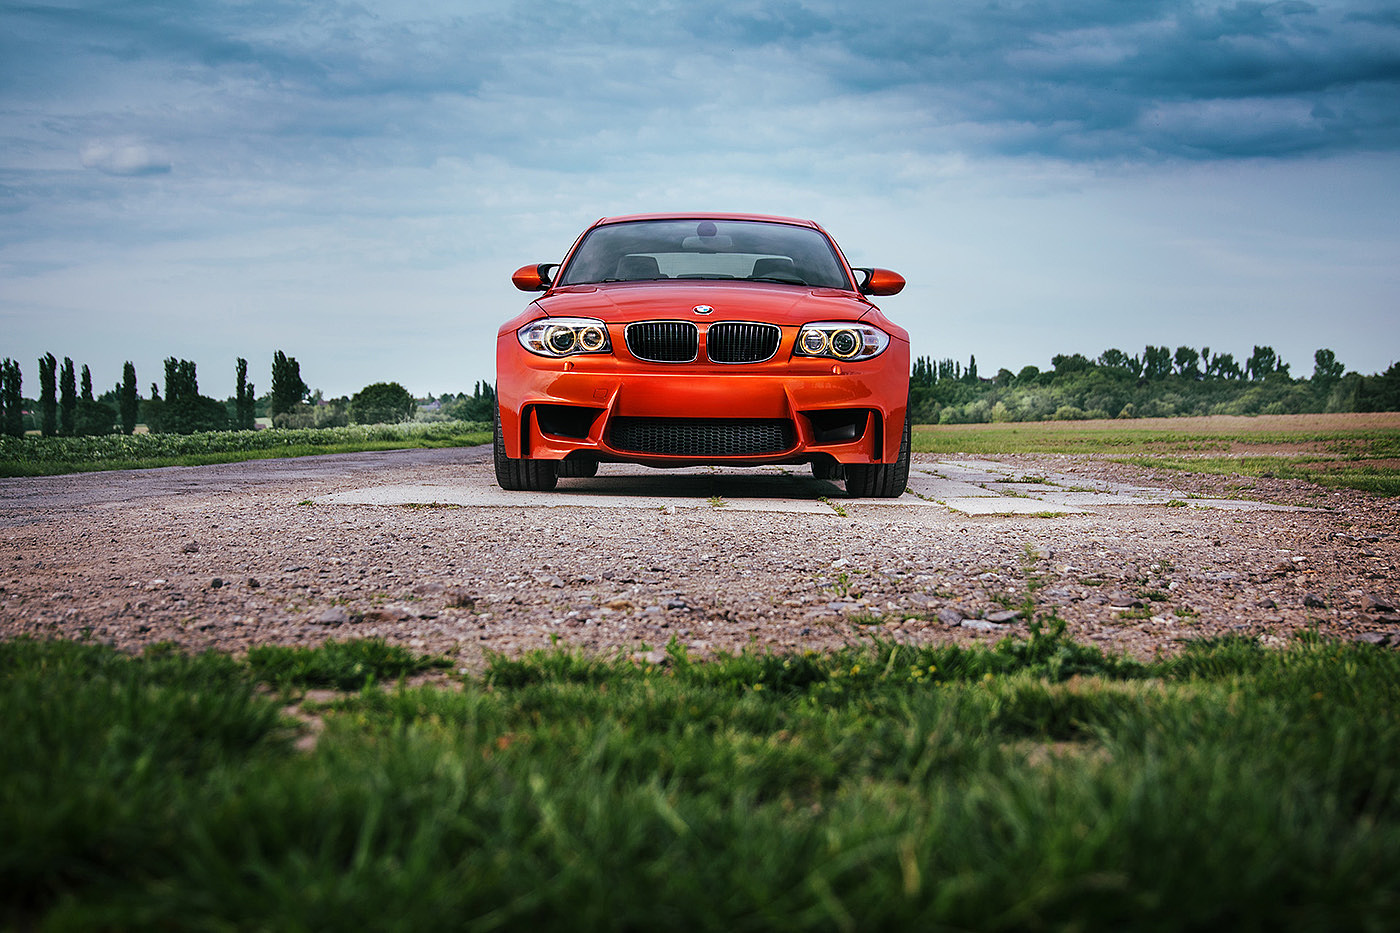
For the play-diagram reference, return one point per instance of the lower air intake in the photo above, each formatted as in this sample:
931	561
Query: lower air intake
686	437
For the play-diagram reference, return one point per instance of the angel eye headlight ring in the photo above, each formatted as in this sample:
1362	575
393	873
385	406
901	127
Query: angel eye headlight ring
841	340
846	344
561	337
591	339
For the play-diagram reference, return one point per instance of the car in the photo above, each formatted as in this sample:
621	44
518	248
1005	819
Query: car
672	340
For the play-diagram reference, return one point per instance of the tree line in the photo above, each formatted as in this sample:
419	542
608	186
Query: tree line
1158	382
67	407
60	411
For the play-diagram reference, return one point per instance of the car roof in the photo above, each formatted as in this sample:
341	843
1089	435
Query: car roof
706	215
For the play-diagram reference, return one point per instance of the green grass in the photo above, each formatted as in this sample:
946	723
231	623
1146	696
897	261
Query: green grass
1059	437
1383	481
1356	459
1053	438
1037	784
345	665
47	456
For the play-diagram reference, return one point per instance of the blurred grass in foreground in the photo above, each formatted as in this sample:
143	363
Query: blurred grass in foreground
1035	785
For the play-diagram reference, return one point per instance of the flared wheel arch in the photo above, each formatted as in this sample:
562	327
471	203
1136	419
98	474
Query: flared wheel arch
521	474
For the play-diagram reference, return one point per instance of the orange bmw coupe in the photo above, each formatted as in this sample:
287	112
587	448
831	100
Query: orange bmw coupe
681	339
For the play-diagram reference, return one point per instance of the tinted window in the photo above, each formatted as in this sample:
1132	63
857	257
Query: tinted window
705	249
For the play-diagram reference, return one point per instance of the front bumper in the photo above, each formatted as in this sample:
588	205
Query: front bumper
785	410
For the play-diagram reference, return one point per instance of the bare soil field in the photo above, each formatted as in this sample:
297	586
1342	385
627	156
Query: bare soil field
229	556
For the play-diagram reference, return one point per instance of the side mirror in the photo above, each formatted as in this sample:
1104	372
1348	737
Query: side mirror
534	278
880	282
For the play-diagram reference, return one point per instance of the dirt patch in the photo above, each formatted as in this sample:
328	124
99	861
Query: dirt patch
230	556
1390	464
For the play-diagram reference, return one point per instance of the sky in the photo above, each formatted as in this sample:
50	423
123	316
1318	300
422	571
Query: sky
353	183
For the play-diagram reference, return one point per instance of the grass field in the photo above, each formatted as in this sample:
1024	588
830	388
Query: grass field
1350	450
47	456
1357	451
1035	785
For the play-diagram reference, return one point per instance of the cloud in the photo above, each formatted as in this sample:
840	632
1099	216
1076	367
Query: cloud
1099	80
1086	74
125	157
343	167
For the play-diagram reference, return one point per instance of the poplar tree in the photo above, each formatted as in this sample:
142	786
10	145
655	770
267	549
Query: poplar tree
288	390
181	380
126	398
68	399
11	399
184	410
48	397
245	411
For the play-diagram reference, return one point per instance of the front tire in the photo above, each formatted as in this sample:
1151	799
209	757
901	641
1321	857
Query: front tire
586	466
524	474
881	480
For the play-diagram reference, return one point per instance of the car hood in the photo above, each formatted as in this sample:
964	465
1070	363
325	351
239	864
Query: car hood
750	301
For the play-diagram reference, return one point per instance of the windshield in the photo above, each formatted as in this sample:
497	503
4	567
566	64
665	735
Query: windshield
757	251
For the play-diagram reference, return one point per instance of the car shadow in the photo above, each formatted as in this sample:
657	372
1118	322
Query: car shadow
728	485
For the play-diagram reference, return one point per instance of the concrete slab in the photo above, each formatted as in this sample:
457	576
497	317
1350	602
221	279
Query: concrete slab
936	487
468	495
954	485
905	501
1006	505
1092	500
1020	489
1081	483
967	471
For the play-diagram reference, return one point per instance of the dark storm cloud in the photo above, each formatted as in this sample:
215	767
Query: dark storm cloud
1111	80
1098	80
44	41
1106	80
1149	79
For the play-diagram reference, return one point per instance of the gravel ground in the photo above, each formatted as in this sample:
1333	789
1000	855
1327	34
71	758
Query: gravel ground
231	556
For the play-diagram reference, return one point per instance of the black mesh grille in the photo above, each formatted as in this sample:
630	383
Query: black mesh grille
663	341
697	438
734	342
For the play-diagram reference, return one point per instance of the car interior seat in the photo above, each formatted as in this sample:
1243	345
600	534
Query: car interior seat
778	267
638	268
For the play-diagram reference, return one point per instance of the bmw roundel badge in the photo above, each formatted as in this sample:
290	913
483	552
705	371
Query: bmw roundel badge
703	309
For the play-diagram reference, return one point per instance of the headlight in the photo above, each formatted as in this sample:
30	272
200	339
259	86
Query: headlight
842	341
565	336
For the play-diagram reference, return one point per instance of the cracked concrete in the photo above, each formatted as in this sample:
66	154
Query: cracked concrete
972	487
